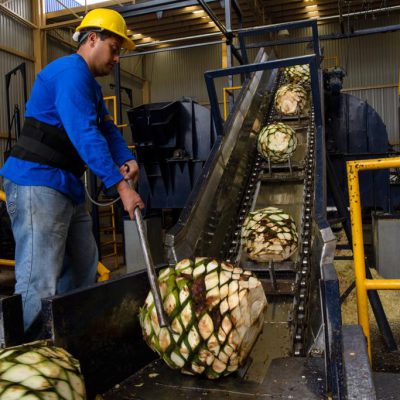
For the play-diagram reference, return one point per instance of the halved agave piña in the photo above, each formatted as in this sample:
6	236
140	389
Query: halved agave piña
277	141
298	74
291	99
215	311
269	234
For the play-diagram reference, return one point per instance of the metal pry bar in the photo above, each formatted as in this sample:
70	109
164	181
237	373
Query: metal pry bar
151	273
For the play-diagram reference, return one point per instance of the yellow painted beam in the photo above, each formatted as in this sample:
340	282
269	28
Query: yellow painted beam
382	284
358	250
39	36
363	284
226	90
103	271
7	263
146	92
16	53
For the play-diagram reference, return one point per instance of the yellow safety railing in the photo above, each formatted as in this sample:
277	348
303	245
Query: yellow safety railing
102	270
226	90
113	99
363	284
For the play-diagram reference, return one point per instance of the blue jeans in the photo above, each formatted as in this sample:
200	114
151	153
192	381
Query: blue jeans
55	248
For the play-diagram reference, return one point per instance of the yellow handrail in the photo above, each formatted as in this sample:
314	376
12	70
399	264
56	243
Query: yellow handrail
363	284
226	89
7	263
102	270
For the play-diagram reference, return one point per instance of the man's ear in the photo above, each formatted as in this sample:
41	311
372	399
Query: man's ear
92	38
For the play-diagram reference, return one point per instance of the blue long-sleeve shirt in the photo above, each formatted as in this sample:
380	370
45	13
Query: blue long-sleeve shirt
65	94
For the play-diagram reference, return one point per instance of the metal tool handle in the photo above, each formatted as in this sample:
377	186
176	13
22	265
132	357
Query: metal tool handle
151	273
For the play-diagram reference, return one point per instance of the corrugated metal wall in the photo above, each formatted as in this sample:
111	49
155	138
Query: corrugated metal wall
14	36
178	73
371	64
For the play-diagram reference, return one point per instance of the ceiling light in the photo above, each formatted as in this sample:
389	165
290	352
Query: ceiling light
312	6
283	33
197	11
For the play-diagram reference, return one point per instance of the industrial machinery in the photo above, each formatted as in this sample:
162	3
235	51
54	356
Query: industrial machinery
303	351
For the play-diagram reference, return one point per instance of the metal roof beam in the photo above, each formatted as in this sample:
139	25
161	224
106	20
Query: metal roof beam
154	6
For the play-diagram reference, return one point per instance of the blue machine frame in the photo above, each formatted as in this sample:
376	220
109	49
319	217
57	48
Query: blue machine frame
329	286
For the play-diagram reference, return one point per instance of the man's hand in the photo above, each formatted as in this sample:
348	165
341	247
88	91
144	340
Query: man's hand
130	198
130	171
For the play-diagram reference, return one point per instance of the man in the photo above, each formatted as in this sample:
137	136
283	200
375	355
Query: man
66	127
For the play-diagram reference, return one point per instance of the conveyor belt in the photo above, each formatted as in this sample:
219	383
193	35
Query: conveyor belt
253	183
303	379
288	186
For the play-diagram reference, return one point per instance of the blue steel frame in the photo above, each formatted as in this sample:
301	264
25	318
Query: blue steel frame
209	77
273	28
332	36
329	287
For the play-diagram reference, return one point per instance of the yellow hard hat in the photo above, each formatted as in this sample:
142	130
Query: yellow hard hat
110	20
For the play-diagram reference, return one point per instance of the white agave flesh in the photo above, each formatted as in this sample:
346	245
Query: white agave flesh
184	264
184	350
187	315
184	294
213	345
37	383
53	396
193	338
218	366
30	357
211	266
211	280
170	303
76	383
64	390
224	291
206	326
177	360
224	307
199	270
198	368
19	373
13	393
224	277
164	339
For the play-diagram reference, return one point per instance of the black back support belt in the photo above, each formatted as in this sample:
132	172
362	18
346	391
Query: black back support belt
49	145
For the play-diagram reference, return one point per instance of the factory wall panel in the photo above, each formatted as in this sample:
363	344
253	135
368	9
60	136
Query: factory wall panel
15	36
18	38
21	7
178	73
371	64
